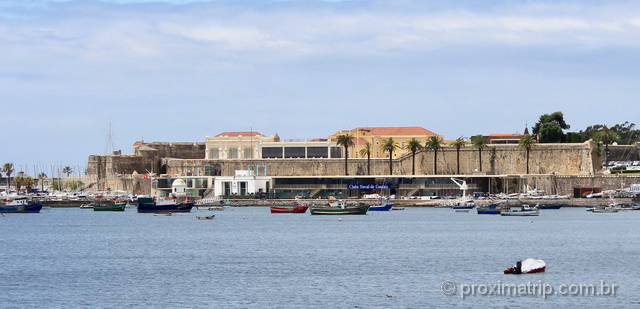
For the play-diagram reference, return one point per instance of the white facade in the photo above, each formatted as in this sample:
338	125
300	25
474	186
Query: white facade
245	182
239	145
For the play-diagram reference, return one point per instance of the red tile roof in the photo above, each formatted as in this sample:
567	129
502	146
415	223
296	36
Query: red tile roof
236	134
395	131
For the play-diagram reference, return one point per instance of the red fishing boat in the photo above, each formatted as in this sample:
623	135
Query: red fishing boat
297	208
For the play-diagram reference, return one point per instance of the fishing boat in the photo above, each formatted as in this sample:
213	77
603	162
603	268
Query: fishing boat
523	210
296	208
109	206
491	209
19	204
383	206
160	205
464	205
604	209
527	266
360	209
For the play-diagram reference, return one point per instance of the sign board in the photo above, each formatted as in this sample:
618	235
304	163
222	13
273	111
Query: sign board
368	186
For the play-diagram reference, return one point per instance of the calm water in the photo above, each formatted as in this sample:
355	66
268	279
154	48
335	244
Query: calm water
249	258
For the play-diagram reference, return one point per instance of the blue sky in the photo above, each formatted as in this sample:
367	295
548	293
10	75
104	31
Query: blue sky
178	71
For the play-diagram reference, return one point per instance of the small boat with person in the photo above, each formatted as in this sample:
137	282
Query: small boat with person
527	266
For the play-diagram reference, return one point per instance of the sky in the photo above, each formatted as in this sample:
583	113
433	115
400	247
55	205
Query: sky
80	78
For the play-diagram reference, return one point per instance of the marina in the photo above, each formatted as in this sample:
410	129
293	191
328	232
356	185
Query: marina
237	260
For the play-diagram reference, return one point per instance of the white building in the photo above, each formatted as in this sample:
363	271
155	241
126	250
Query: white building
253	145
245	182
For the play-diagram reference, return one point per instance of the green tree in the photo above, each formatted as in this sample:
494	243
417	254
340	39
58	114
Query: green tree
7	168
389	145
345	141
527	142
458	144
479	142
414	146
606	136
625	133
41	178
67	170
57	185
434	143
73	184
366	151
550	128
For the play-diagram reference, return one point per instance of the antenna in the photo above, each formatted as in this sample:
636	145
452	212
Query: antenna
109	141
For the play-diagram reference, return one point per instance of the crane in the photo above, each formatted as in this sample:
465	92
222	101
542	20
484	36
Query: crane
463	186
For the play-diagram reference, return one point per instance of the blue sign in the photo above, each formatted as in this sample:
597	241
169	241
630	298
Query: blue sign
368	186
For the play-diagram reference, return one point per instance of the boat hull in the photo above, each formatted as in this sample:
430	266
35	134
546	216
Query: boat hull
290	209
550	206
350	210
152	208
520	213
385	207
110	207
31	208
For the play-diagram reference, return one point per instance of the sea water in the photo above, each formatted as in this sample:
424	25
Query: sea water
249	258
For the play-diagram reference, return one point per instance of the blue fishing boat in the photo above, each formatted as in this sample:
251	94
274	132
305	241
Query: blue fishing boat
20	205
384	206
162	205
491	209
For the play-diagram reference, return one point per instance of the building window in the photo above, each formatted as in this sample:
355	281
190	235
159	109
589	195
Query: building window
272	152
294	152
317	152
233	153
336	152
214	153
248	153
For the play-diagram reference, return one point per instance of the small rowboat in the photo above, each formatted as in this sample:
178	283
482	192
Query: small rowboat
206	217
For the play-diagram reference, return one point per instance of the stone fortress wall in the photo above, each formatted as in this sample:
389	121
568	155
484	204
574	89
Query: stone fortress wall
553	167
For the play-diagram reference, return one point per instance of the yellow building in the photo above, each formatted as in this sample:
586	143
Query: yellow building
376	135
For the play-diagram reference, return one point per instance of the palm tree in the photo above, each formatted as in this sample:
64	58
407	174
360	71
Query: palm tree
7	168
19	181
389	145
28	182
479	143
67	170
434	142
457	144
413	145
345	141
527	142
606	136
366	151
41	178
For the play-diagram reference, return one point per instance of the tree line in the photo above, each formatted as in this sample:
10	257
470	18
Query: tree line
550	128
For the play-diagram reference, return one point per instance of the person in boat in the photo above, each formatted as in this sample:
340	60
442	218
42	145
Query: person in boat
518	268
